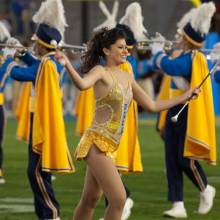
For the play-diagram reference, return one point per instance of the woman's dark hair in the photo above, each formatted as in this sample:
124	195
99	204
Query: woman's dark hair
101	39
130	39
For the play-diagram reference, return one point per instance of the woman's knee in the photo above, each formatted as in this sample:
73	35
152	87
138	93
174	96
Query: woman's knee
90	201
118	201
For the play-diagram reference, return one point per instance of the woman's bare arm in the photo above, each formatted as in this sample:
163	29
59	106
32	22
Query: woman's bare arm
86	82
148	104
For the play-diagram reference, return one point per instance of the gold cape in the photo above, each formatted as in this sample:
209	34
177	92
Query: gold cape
49	137
22	113
200	142
84	110
163	95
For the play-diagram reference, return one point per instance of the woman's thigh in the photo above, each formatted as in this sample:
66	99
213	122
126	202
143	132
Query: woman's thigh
106	174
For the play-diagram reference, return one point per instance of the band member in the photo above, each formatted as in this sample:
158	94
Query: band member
190	138
48	150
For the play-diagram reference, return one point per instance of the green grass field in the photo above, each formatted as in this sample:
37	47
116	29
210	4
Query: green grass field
148	188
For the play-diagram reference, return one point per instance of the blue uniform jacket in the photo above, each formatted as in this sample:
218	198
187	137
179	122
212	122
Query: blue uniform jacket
3	69
29	72
179	66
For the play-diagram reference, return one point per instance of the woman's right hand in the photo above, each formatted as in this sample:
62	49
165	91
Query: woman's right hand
192	93
62	58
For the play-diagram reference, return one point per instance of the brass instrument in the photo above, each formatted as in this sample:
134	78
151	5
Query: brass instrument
73	48
14	46
145	45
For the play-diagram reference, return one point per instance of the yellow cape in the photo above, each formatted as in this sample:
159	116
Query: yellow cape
84	110
163	94
200	142
49	137
22	113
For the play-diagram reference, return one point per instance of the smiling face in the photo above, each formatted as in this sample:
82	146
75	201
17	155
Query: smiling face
117	53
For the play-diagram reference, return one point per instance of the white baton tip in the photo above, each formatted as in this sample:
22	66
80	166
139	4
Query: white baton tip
174	119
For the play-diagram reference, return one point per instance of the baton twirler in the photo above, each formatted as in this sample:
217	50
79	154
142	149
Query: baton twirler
214	68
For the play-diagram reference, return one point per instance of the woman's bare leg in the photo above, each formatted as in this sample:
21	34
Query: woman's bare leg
108	178
101	174
90	196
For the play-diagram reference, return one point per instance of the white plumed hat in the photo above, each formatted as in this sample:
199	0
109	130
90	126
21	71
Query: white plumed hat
196	29
134	20
51	23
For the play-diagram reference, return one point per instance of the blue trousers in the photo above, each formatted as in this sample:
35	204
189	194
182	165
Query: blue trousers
176	163
46	205
2	125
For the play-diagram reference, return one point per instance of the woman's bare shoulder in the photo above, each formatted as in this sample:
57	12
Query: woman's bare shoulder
98	68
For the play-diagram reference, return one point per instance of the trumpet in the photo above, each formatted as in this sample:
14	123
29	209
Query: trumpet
73	48
2	45
145	45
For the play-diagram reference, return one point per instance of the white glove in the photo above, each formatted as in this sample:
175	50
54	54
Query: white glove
158	45
13	41
8	52
215	53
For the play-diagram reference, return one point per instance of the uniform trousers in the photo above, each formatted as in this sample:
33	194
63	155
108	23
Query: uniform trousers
2	125
46	205
176	163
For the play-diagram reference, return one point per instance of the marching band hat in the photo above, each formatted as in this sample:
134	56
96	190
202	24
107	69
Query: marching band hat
47	36
51	23
196	29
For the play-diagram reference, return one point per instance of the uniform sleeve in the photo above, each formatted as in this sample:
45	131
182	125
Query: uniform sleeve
21	73
180	66
29	59
24	73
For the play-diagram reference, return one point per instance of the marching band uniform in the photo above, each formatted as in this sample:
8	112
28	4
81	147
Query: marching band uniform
48	150
185	143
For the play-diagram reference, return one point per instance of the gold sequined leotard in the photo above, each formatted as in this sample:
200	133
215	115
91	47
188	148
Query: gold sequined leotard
106	131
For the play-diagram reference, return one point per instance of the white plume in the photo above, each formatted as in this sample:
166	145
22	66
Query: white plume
110	21
134	19
201	20
186	18
52	13
4	33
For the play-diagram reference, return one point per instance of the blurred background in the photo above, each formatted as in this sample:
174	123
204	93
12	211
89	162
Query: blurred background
82	16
